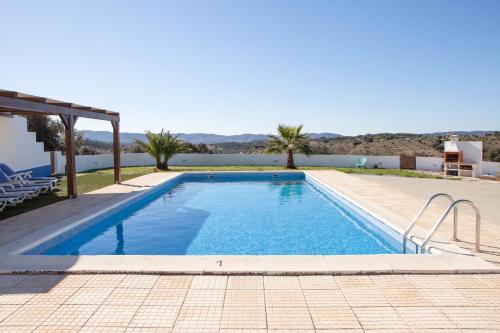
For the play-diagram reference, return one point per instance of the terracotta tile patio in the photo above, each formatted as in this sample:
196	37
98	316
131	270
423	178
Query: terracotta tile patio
78	303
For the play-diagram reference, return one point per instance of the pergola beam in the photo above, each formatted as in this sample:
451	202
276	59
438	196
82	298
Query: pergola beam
21	105
12	102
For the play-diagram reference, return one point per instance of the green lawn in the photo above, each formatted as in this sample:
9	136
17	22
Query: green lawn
86	182
95	179
378	172
389	172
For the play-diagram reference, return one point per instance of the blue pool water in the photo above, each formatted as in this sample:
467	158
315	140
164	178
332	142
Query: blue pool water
233	215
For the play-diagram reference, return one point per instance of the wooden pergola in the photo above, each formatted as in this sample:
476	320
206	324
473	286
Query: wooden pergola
13	102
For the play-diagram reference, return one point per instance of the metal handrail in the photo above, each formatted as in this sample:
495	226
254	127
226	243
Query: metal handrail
445	214
421	212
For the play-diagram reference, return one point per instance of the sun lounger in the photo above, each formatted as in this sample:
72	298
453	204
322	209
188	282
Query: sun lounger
10	198
29	192
26	176
45	185
33	189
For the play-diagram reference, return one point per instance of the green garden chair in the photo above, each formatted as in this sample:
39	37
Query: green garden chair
361	163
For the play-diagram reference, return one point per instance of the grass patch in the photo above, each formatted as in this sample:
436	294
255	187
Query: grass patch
389	172
86	182
95	179
378	172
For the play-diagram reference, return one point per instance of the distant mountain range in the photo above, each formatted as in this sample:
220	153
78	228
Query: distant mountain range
478	133
195	138
385	144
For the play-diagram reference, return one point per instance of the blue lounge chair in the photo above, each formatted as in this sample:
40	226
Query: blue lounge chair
44	185
361	163
12	190
31	189
10	199
26	175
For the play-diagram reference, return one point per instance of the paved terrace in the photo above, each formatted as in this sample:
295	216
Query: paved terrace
486	194
249	304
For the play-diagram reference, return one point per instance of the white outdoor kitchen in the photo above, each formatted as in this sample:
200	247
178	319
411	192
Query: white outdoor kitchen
463	158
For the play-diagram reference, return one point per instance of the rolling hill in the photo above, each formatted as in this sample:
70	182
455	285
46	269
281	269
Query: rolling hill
194	138
430	144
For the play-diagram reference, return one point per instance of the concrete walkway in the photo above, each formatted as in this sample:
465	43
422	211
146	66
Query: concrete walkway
484	193
247	304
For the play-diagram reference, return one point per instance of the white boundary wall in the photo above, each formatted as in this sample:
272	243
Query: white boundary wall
491	168
91	162
429	163
388	162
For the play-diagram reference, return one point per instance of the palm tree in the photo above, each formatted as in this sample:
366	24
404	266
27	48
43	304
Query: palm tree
289	140
154	146
172	145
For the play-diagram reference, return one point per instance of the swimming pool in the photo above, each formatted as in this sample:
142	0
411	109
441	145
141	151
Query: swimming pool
231	214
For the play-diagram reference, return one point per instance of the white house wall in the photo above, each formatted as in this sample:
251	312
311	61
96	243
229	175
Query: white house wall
19	149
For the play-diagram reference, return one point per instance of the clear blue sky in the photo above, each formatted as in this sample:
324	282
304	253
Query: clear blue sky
229	67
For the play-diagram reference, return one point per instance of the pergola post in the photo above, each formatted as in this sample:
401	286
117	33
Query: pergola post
69	144
116	150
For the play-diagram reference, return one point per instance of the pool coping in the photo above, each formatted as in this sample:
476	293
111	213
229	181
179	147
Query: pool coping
445	257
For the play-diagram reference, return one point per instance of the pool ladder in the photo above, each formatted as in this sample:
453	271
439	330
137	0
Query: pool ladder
453	206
